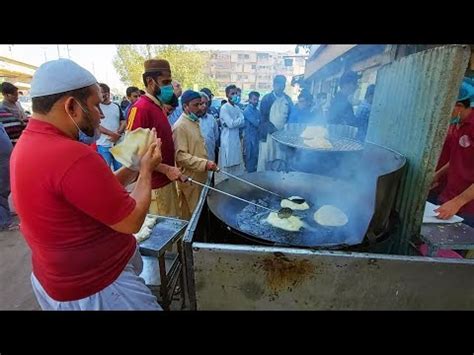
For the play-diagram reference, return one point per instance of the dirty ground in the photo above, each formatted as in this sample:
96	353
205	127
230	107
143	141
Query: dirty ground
15	269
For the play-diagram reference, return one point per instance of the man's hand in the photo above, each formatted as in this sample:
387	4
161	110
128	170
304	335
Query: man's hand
173	173
211	166
183	178
152	158
114	137
449	209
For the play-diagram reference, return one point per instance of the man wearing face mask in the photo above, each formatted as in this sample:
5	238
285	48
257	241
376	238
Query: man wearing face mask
232	118
148	112
252	121
440	179
191	152
457	196
75	213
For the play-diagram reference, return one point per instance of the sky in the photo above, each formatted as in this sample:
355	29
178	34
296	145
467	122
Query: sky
98	58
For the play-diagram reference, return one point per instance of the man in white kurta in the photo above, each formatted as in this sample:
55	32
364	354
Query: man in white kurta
232	118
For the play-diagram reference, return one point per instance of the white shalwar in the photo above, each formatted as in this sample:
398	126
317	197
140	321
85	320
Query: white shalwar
128	292
270	150
230	152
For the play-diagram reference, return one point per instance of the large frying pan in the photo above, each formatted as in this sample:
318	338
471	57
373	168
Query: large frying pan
356	201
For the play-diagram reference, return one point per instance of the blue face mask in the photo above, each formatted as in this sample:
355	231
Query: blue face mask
236	99
166	94
83	137
455	120
193	117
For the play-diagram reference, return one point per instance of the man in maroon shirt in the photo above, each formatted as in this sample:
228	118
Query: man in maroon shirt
457	196
148	112
75	214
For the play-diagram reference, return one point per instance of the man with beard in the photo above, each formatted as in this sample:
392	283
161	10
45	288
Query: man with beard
191	154
275	109
75	213
148	112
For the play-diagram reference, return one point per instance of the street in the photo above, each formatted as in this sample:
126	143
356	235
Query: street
15	269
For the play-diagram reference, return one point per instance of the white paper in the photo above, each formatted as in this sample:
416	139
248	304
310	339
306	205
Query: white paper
429	215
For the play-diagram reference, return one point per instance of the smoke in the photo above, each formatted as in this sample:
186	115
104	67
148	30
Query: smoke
354	176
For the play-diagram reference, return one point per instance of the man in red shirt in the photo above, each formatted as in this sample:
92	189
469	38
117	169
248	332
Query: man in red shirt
148	112
457	196
75	214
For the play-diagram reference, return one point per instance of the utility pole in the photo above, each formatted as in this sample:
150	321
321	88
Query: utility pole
68	51
59	53
44	53
148	49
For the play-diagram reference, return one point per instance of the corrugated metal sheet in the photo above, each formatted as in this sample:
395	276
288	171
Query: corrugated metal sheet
412	105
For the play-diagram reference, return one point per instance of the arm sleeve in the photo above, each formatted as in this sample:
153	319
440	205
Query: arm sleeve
227	119
252	117
138	118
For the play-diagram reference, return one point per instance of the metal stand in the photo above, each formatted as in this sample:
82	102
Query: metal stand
163	268
456	236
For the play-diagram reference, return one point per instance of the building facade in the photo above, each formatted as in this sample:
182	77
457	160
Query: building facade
254	70
326	64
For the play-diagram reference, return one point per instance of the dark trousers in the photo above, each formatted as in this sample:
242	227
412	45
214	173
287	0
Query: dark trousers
5	153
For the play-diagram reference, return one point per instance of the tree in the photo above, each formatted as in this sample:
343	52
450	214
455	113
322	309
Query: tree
188	65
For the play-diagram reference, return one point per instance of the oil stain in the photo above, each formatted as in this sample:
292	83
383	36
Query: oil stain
282	273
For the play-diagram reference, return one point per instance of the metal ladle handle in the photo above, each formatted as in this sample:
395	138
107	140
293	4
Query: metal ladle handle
248	182
230	195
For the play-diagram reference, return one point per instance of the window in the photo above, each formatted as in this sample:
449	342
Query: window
246	56
223	76
254	66
288	62
223	66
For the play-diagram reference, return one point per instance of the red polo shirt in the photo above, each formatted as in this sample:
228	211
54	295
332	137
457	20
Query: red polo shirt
147	114
66	196
461	163
446	151
444	157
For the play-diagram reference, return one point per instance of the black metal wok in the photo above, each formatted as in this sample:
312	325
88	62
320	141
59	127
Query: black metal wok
356	202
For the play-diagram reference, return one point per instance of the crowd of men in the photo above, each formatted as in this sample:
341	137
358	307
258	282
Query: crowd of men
78	214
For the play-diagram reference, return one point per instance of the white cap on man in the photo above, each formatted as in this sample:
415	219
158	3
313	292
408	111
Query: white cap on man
58	76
